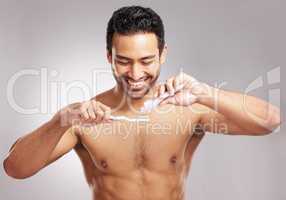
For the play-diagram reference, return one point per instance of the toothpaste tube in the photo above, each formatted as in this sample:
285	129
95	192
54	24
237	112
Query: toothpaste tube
150	104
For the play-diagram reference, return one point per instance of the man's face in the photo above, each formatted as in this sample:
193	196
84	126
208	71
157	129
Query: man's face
136	62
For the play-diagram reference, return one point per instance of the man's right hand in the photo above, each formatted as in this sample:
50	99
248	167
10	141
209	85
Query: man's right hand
84	112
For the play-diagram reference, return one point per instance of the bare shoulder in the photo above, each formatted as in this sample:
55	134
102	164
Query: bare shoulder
105	97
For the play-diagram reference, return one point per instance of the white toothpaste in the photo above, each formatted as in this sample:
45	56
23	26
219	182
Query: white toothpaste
150	104
153	103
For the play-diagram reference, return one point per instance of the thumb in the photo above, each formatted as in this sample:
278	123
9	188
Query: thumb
169	100
190	98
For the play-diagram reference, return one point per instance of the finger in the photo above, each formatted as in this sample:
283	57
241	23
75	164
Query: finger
83	112
162	89
99	115
157	91
169	100
96	108
106	113
192	99
164	102
191	81
170	86
90	111
178	84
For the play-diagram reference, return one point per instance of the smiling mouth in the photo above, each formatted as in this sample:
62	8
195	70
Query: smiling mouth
137	85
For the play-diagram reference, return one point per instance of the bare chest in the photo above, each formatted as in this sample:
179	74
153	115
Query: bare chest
119	147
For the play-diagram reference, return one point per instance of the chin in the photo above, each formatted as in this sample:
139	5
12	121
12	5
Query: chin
137	94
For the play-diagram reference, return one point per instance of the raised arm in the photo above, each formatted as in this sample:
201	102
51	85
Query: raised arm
35	150
239	113
223	111
41	147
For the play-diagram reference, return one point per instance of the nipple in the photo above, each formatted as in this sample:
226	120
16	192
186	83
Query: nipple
173	159
103	163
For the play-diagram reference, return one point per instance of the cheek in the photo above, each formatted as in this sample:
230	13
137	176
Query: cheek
120	70
153	69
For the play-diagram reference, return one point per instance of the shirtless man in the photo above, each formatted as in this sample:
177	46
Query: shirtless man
139	159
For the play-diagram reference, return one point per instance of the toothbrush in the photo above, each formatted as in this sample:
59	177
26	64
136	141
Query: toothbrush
124	118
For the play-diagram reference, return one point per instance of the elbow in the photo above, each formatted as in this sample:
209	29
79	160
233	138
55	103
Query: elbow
12	170
277	121
273	123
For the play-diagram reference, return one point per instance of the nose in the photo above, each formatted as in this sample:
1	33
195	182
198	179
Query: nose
136	72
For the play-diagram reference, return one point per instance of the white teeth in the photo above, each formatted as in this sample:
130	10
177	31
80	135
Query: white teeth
136	84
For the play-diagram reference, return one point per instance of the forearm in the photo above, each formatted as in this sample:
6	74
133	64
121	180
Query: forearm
248	112
32	151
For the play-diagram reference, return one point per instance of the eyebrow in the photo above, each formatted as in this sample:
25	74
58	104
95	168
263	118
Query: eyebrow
143	58
148	57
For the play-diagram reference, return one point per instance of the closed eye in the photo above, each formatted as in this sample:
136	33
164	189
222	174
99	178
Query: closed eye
122	62
147	62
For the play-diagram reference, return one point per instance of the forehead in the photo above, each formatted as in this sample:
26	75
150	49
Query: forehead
135	45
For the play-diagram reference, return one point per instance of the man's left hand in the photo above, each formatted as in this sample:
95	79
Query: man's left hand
183	89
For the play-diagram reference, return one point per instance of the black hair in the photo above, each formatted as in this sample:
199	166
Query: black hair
135	19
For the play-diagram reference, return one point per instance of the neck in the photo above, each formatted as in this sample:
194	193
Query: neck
126	103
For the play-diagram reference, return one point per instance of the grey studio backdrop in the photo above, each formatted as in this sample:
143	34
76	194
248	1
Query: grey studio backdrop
237	45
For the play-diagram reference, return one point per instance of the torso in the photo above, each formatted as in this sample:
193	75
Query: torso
140	160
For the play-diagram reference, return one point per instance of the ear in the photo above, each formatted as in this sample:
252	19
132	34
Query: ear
109	56
163	55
